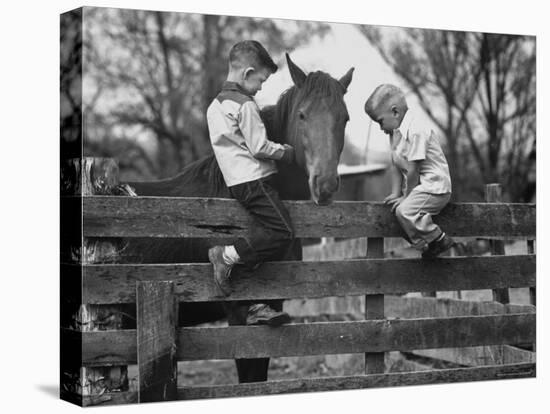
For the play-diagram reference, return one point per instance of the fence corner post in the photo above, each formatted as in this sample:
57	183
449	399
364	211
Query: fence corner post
157	320
493	194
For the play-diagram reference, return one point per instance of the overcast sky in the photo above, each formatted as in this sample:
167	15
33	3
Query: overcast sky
343	47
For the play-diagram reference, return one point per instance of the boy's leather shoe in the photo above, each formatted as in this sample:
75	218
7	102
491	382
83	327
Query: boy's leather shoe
222	271
262	314
437	247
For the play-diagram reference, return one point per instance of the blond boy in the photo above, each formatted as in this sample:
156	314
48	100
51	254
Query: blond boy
421	183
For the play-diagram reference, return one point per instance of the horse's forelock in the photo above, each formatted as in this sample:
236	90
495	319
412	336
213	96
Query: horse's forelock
317	84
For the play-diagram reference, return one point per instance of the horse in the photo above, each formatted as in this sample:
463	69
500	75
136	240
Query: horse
311	116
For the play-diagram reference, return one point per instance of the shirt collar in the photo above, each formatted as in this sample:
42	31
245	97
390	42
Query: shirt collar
406	123
234	86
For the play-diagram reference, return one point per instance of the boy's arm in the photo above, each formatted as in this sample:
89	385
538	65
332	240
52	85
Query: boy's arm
254	133
417	153
396	179
412	176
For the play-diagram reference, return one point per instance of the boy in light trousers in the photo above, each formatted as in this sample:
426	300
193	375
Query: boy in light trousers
421	183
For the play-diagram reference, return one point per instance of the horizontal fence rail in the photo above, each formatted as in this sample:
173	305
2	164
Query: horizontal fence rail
96	267
285	280
119	347
108	216
339	383
511	371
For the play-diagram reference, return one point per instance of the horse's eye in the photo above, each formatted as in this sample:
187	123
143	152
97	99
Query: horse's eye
301	116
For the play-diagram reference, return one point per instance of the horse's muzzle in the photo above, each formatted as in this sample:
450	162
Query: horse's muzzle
322	189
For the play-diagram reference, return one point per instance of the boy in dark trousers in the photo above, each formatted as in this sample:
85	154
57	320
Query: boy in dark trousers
246	158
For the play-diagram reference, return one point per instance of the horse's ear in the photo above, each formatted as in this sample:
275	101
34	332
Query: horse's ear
346	79
298	76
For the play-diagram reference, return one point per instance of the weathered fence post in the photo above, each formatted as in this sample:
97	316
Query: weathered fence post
82	177
493	194
374	308
532	290
156	341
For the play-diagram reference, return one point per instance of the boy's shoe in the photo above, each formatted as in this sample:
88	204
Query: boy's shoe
262	314
222	271
435	248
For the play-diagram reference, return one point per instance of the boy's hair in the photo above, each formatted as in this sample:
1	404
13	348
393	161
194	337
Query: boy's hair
384	95
251	53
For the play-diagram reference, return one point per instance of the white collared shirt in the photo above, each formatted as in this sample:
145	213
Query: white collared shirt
424	147
239	138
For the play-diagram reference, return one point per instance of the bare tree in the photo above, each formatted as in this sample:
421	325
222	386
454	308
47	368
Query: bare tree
472	87
163	70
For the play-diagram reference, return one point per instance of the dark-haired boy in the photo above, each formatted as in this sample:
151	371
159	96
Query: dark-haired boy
246	158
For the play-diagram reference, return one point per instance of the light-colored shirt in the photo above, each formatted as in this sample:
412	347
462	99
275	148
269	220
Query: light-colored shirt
239	138
422	146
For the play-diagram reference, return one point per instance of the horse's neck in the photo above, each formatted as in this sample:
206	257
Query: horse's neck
291	181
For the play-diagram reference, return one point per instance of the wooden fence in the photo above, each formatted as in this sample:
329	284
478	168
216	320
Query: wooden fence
158	343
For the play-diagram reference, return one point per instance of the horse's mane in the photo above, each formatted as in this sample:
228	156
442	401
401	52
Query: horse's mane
203	178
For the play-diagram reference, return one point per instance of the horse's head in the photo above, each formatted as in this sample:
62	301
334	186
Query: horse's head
315	124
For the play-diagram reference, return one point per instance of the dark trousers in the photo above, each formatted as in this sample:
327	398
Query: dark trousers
271	233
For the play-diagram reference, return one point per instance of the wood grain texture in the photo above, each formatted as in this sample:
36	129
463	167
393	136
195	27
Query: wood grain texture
107	216
415	307
532	290
156	341
493	194
475	356
278	280
111	347
524	370
360	381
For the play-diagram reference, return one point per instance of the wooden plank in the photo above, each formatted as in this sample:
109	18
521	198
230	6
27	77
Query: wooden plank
360	381
321	338
156	341
374	308
416	307
106	216
532	290
281	280
355	337
493	194
87	176
107	398
480	355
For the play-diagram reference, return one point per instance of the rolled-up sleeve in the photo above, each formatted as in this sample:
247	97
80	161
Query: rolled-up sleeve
419	143
255	135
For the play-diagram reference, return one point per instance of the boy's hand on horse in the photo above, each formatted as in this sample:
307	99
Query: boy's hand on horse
288	154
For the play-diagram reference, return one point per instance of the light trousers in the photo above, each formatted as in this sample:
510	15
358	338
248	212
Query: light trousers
415	216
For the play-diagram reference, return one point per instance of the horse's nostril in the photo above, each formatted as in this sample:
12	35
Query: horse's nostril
331	185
